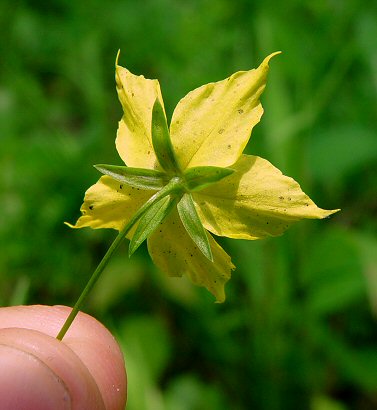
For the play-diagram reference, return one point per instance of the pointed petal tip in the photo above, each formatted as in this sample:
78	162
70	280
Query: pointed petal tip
331	212
269	57
117	58
322	213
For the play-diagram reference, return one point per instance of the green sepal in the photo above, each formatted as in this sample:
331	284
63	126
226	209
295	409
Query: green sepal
136	177
150	221
162	145
172	189
197	178
193	225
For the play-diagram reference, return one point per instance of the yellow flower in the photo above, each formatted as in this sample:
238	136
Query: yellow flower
212	184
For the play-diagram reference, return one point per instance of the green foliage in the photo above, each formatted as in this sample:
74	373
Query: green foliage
136	177
197	178
150	221
161	140
193	225
298	329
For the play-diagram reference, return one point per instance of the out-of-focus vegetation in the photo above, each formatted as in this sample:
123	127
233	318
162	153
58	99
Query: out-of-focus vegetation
298	329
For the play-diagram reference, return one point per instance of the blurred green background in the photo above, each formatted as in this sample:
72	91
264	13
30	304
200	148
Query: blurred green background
298	329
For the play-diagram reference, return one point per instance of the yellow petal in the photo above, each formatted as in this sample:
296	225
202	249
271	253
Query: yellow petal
134	140
174	252
109	204
256	201
212	124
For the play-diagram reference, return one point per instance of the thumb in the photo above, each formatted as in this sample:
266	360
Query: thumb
84	371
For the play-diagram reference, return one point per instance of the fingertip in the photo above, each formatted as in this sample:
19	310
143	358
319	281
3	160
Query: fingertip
42	371
26	383
87	338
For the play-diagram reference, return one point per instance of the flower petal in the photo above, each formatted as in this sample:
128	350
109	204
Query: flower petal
256	201
212	124
174	252
134	140
110	204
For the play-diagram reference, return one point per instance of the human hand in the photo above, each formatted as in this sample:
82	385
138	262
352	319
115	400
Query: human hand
84	371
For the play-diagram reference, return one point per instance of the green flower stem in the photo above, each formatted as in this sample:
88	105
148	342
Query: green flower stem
173	186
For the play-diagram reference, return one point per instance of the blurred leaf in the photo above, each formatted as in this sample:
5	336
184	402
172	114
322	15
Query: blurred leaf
326	403
367	247
336	152
20	292
143	393
333	272
179	290
147	348
122	275
188	393
357	365
148	340
366	32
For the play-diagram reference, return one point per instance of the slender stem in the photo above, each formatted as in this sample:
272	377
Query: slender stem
92	281
168	189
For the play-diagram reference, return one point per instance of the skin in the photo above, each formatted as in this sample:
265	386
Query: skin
83	371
